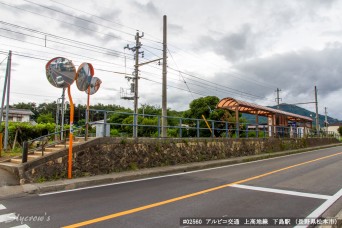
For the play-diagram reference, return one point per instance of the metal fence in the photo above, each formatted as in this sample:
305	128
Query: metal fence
111	123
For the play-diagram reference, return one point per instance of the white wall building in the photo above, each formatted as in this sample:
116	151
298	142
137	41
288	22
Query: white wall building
17	115
333	127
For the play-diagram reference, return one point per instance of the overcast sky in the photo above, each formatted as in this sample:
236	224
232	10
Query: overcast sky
227	48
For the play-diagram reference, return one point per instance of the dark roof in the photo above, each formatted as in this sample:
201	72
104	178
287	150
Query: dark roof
246	107
19	111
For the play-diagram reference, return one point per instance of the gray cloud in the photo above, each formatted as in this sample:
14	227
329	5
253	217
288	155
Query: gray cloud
176	29
297	72
234	46
12	33
109	37
85	24
148	8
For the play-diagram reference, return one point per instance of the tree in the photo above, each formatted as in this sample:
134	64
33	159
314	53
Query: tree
340	130
201	106
45	118
206	106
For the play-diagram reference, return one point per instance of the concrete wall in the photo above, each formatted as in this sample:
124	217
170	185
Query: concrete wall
105	155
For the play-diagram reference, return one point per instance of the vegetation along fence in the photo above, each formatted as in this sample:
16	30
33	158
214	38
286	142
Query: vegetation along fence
118	124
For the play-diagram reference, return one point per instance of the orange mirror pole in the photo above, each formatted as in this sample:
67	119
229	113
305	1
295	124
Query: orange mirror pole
70	134
87	119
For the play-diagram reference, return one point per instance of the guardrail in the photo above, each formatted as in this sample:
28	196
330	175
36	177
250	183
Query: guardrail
45	141
150	126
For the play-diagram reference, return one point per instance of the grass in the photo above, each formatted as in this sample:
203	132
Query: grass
4	155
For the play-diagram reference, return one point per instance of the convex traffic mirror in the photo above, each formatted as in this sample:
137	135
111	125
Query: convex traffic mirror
94	86
60	72
84	76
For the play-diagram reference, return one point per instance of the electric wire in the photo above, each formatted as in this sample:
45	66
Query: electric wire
251	81
3	60
181	73
58	37
104	19
57	42
64	22
86	57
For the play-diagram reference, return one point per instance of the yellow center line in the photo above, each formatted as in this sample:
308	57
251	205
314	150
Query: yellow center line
134	210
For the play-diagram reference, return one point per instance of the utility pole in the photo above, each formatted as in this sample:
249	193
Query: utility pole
278	99
3	97
164	87
2	105
317	121
8	72
326	119
135	79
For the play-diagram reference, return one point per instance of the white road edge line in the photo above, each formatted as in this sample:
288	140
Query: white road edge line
2	207
176	174
321	209
7	217
21	226
286	192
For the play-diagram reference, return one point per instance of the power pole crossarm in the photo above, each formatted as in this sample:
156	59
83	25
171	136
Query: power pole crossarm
141	64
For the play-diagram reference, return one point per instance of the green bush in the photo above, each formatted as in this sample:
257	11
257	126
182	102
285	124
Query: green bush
27	131
114	133
172	132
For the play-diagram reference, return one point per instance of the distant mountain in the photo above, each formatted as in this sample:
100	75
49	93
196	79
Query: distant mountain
293	109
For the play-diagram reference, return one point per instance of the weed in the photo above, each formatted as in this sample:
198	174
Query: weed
133	166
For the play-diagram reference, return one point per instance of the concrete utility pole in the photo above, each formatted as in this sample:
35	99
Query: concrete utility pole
164	87
8	72
136	78
326	119
278	99
3	96
316	102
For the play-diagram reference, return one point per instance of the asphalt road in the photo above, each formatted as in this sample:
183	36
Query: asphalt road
294	186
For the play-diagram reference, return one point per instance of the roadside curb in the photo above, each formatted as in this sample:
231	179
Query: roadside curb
83	182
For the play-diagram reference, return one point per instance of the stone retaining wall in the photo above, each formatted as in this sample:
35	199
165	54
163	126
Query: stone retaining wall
106	155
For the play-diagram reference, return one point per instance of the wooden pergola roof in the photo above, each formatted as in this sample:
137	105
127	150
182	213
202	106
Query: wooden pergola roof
250	108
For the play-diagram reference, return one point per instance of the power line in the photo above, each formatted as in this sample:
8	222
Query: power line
77	56
87	49
79	18
235	90
181	74
147	79
87	57
3	60
251	80
201	93
58	37
93	15
215	65
64	22
205	85
210	85
104	19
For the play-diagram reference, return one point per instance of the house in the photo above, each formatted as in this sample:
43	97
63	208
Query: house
333	127
18	115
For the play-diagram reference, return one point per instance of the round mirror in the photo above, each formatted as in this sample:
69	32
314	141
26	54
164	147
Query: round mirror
84	75
94	85
60	72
